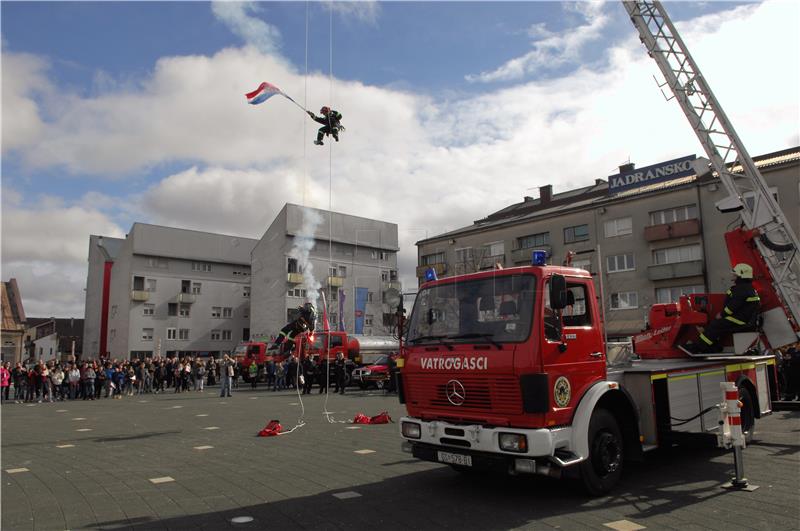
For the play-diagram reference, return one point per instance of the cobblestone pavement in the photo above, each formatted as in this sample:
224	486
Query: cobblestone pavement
192	461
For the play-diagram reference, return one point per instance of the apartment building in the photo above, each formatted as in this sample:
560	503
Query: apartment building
167	291
307	252
646	240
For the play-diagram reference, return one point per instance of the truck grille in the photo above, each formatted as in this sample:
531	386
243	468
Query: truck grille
493	394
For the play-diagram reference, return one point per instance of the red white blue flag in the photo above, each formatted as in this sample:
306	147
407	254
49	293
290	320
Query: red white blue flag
263	93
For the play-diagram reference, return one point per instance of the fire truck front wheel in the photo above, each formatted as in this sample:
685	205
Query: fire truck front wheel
603	468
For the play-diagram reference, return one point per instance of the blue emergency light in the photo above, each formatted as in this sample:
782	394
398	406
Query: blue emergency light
539	257
430	274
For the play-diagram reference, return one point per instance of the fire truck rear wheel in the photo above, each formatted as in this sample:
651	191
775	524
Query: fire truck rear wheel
748	414
603	468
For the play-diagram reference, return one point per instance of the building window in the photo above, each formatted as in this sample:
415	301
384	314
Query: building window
246	313
495	249
384	276
183	334
369	296
431	259
297	292
184	310
533	240
154	261
245	291
172	309
172	333
367	320
138	283
618	227
216	312
666	295
150	284
620	262
226	335
332	271
749	197
673	255
204	267
147	334
624	300
292	266
342	271
392	275
186	286
149	309
671	215
578	233
385	256
215	335
196	288
583	264
464	255
227	313
245	334
373	254
334	294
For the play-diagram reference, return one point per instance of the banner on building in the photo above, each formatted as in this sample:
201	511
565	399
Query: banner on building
663	171
360	308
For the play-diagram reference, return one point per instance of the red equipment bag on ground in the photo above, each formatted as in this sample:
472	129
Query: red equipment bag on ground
381	418
273	428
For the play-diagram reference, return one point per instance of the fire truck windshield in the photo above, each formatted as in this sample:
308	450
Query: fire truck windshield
497	308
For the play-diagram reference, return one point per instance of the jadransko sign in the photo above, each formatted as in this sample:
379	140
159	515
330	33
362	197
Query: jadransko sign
663	171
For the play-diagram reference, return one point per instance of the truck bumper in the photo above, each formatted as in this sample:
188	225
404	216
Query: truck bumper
547	449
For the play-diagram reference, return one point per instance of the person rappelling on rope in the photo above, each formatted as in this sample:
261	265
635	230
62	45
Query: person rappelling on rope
306	320
331	124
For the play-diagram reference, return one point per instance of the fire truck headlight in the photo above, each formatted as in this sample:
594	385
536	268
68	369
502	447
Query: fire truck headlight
411	430
513	442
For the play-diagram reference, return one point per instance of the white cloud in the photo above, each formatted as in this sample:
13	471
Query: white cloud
551	50
366	11
424	164
241	20
23	76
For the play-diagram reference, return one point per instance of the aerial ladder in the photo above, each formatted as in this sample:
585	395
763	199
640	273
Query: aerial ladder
766	227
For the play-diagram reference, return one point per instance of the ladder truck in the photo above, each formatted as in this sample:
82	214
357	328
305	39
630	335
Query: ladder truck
508	370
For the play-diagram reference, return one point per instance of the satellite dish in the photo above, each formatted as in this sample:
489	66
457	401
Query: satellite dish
393	298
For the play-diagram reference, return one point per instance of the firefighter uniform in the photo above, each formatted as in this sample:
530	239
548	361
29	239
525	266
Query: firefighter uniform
339	371
739	312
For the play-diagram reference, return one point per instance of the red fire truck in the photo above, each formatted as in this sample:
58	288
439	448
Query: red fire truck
508	370
357	350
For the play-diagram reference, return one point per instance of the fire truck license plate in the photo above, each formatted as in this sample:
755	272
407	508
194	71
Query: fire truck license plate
455	459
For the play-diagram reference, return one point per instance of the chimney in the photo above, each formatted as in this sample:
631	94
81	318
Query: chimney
628	166
546	193
527	199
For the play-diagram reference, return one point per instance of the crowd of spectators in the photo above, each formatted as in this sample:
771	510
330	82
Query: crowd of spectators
51	381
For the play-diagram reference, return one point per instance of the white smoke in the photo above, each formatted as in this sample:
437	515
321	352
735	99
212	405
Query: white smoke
303	243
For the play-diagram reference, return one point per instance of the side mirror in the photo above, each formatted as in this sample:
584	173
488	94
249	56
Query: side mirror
558	292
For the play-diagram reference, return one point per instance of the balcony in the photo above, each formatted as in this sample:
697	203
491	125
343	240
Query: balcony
440	269
139	295
294	278
519	256
665	231
336	282
676	270
186	298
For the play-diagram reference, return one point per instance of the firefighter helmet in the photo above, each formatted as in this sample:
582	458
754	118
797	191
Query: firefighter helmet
743	270
325	110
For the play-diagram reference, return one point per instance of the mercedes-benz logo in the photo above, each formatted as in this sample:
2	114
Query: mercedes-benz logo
455	392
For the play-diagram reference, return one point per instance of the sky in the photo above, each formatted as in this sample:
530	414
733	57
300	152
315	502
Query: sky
116	112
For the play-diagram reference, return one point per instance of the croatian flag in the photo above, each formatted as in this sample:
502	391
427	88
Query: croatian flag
262	93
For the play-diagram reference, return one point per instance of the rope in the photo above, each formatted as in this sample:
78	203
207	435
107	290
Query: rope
301	420
685	421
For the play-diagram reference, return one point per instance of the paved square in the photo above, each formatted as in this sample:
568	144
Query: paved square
313	477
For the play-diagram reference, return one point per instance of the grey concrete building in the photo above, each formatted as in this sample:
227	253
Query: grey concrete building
647	242
169	291
305	251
